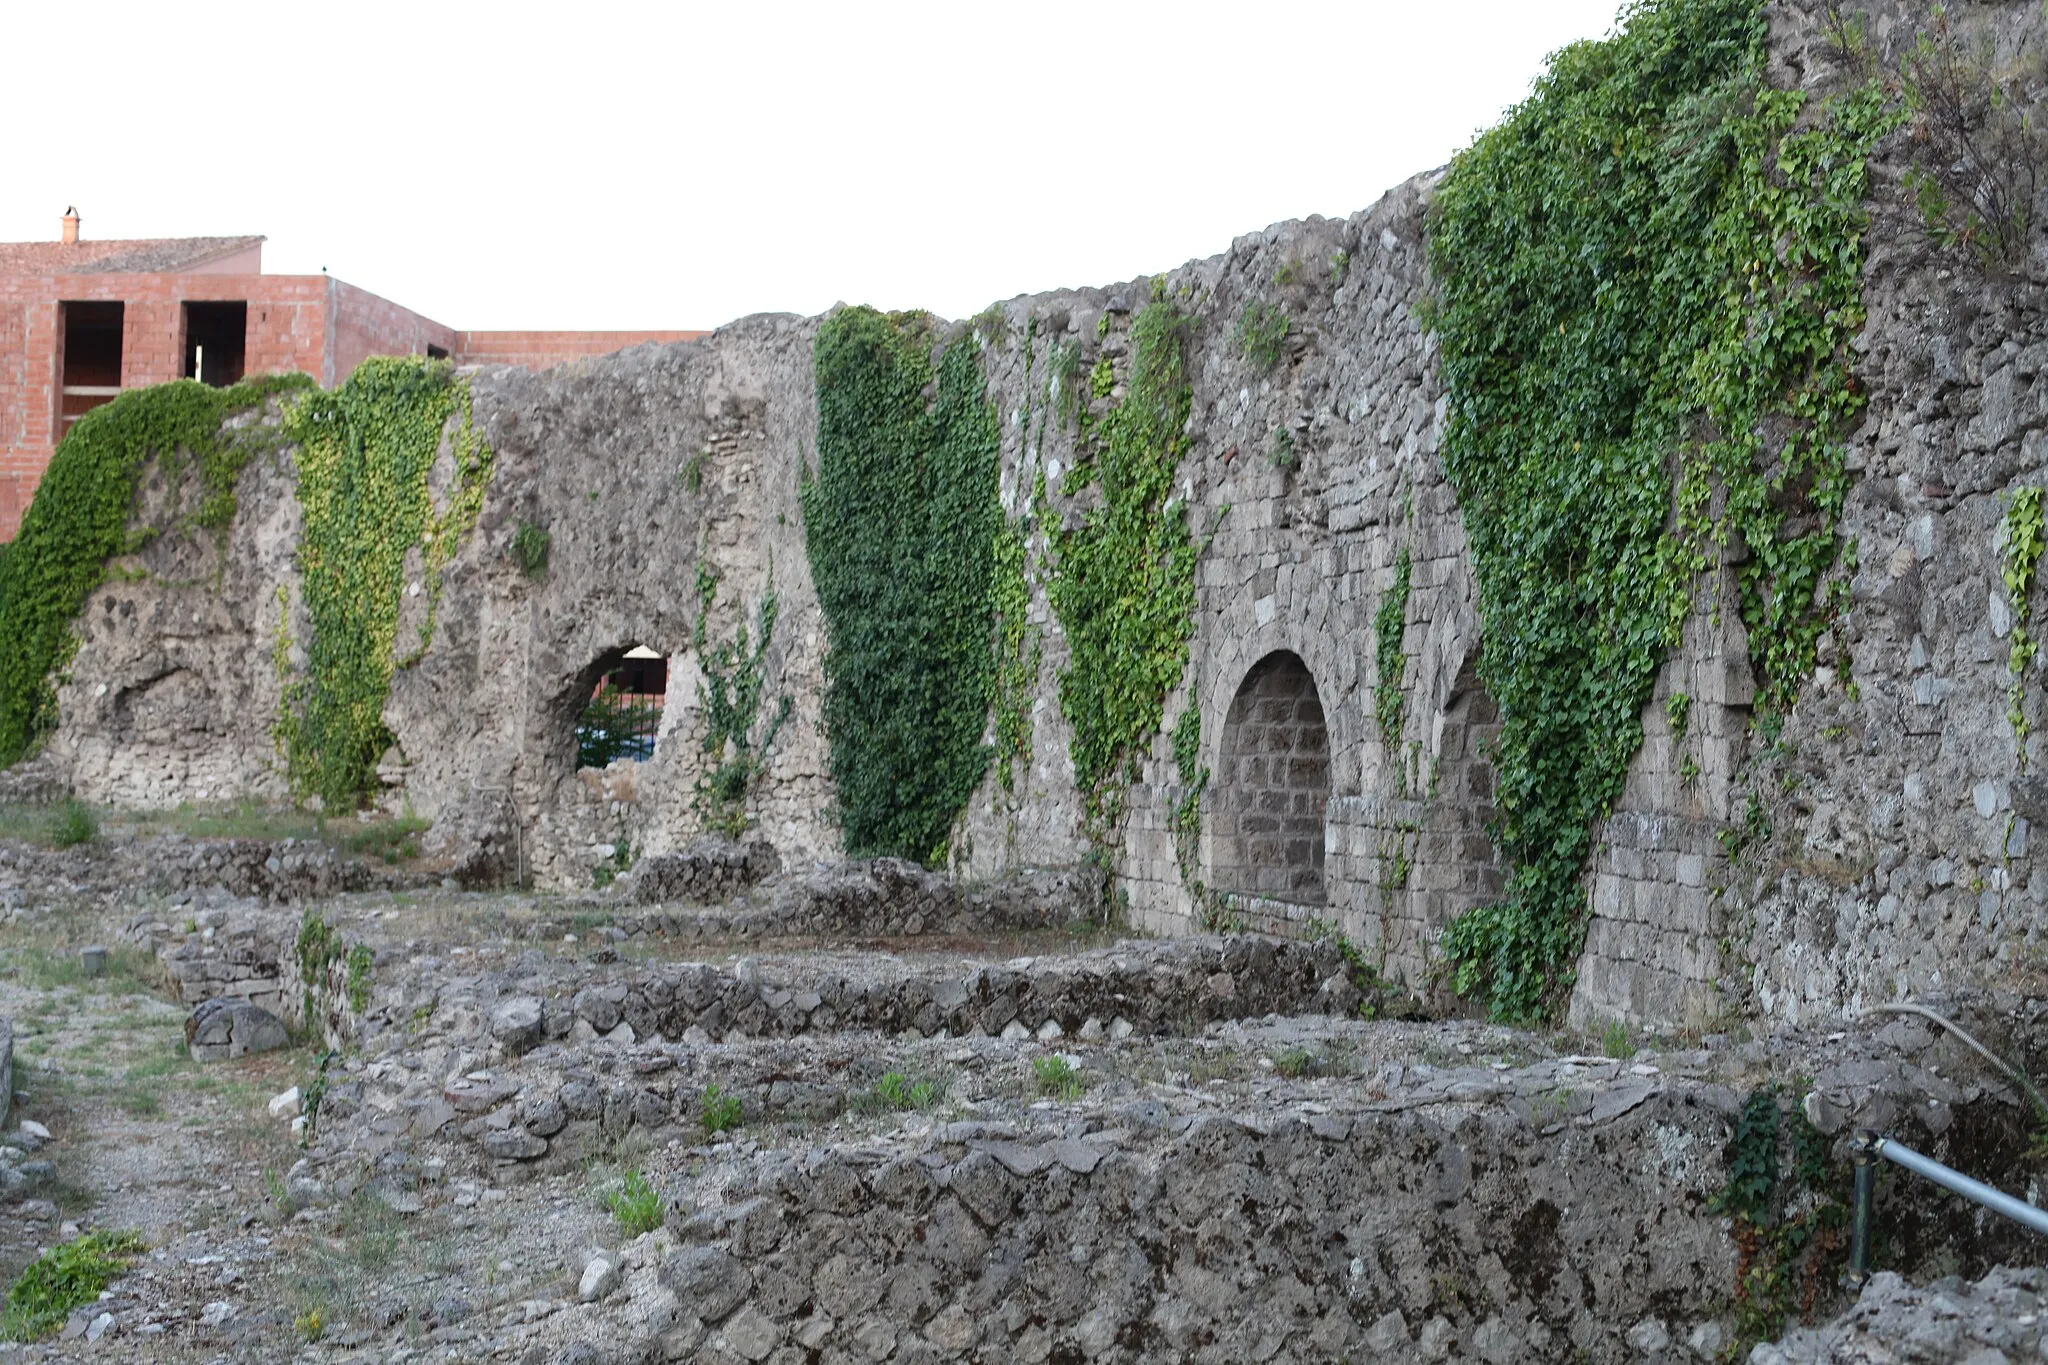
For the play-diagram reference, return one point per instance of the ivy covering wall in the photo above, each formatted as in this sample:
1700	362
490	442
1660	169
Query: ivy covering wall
80	518
901	525
1123	581
365	452
1649	265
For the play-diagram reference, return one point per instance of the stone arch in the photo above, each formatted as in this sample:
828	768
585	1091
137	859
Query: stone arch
1272	786
615	707
1302	618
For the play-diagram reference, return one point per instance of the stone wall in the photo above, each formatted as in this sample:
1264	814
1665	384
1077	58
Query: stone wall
1395	1235
1883	832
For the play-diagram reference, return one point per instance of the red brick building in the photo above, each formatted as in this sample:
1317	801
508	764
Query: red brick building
82	320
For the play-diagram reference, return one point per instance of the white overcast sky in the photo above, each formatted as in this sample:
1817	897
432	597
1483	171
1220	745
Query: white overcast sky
584	164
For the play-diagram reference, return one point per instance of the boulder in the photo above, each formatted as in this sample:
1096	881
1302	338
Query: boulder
223	1029
518	1023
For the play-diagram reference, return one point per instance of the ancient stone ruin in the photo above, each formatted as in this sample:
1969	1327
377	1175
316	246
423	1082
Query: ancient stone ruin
1072	835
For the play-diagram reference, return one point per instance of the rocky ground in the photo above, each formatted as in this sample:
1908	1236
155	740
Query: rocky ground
965	1135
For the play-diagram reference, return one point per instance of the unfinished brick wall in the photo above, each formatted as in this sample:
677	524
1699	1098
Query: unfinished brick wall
360	325
1272	785
544	350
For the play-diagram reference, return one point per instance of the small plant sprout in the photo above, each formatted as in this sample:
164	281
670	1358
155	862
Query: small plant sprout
636	1204
73	824
719	1111
1295	1062
1057	1077
1615	1042
898	1091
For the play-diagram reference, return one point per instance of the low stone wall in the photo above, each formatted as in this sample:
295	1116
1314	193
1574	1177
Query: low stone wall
1151	987
281	872
247	962
706	873
1404	1235
287	871
881	898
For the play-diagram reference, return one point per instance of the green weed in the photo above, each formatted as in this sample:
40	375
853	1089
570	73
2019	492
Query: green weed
63	1278
1057	1077
719	1111
636	1204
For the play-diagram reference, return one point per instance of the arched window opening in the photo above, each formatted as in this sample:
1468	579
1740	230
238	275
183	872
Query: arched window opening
621	714
1272	786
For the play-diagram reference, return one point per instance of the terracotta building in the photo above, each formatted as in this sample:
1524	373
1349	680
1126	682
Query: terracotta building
82	320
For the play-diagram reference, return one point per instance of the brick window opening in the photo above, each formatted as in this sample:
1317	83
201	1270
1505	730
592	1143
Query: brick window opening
1272	786
216	341
92	358
624	692
436	352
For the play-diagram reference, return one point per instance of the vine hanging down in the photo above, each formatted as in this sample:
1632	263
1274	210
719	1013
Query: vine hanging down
902	523
365	451
1656	254
80	519
1123	581
736	740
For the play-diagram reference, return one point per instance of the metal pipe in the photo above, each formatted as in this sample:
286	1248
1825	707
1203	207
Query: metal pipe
1863	1156
2019	1210
2018	1076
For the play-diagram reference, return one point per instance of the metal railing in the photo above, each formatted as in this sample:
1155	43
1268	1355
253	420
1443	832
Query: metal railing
1865	1149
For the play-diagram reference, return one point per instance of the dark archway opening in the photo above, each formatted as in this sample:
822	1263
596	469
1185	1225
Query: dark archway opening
1272	786
623	694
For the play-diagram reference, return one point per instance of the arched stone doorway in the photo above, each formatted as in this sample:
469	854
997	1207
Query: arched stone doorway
1272	786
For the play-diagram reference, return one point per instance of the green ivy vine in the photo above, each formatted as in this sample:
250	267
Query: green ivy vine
80	520
1212	909
904	529
1019	646
736	742
1783	1200
1123	578
1657	255
364	453
1389	625
2023	532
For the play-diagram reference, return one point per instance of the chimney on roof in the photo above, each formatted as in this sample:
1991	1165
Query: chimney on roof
71	227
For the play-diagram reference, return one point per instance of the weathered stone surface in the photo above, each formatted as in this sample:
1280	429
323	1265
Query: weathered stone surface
707	1280
514	1144
518	1023
6	1070
221	1030
2002	1317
